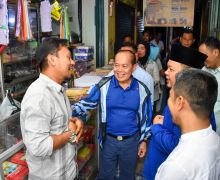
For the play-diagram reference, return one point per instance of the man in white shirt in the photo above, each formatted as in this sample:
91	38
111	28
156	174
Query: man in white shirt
197	156
49	133
211	47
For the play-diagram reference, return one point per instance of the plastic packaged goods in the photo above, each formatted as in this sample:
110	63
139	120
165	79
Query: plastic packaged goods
83	49
83	53
83	56
76	94
19	158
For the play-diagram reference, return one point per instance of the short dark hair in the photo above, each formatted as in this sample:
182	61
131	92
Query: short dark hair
128	44
127	35
200	88
48	46
212	43
133	57
145	31
186	30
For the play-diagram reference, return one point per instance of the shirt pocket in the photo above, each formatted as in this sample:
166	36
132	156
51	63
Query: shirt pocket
59	123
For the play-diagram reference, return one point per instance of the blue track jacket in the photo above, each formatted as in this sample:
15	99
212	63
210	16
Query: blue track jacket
97	96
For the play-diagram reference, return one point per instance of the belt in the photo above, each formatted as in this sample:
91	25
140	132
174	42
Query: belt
119	138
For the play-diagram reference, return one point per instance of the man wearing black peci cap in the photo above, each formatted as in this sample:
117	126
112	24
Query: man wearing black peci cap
165	134
49	133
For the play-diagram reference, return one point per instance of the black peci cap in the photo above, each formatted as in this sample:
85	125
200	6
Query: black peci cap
48	46
187	56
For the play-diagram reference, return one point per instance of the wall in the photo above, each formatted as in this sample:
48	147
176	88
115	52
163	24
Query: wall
106	31
111	30
73	12
88	23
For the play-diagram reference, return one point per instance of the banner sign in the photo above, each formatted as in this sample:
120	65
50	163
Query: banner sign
168	13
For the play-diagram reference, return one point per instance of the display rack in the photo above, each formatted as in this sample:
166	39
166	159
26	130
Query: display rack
14	59
1	79
88	168
10	148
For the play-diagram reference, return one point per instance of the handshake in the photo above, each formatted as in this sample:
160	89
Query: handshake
75	127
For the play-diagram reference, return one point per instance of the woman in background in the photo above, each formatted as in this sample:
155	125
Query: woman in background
145	60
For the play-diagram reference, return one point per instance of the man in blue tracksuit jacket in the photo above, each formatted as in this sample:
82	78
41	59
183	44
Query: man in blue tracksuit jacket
125	118
166	134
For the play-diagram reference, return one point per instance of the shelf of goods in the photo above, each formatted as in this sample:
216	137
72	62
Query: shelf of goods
87	148
84	58
10	145
18	70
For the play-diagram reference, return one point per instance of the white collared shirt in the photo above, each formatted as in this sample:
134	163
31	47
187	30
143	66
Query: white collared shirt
45	111
216	73
197	157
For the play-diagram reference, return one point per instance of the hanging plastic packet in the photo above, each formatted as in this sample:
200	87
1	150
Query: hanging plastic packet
55	11
8	107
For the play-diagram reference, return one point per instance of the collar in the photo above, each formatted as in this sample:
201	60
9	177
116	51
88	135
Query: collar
51	83
196	134
213	71
116	83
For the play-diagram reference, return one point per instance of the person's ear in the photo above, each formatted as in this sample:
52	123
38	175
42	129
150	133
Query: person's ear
134	67
179	102
51	59
216	52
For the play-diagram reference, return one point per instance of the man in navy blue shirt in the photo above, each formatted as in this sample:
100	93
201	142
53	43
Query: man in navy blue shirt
166	134
125	118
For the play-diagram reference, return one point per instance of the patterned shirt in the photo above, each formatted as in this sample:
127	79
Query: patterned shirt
45	111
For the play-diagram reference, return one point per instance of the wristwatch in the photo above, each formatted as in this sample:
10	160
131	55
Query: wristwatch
73	136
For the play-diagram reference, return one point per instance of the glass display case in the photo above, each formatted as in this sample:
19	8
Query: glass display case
10	141
18	69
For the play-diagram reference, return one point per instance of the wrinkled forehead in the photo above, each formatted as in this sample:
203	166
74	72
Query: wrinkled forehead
124	57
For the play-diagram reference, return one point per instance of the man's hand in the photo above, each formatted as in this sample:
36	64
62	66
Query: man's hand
142	149
76	125
158	119
72	125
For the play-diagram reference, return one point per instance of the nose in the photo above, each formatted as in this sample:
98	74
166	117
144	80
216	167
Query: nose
73	62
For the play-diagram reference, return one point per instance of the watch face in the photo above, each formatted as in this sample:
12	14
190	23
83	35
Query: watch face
73	137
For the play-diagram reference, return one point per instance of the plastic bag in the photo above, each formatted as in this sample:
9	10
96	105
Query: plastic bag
8	107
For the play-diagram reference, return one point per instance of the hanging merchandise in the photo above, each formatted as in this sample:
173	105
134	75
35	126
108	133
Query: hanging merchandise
64	25
55	11
4	32
23	28
45	16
